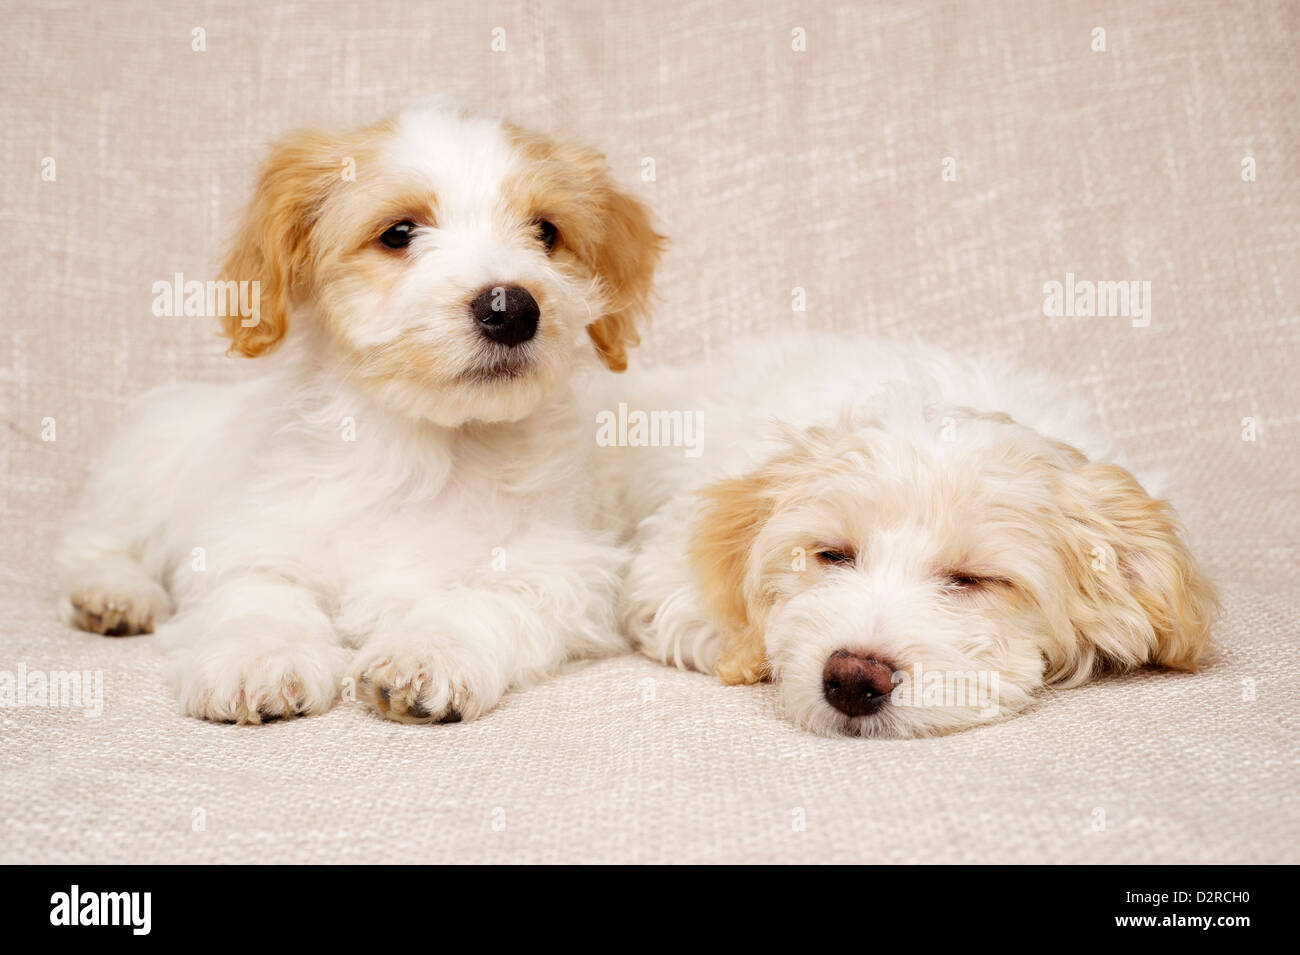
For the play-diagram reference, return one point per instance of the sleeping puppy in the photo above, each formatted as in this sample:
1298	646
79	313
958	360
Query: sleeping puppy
906	542
392	498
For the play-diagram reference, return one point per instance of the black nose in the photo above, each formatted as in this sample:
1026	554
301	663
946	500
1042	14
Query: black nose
856	684
506	314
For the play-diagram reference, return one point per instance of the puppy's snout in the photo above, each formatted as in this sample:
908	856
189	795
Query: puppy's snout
856	684
507	314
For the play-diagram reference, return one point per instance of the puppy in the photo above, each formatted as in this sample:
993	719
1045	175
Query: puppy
392	501
904	541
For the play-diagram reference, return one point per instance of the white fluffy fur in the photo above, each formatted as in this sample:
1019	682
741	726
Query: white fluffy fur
439	558
923	464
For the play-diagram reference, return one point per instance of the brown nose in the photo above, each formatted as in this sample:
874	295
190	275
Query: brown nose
856	684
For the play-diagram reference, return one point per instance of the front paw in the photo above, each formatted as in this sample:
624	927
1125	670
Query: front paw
743	660
417	681
258	681
115	604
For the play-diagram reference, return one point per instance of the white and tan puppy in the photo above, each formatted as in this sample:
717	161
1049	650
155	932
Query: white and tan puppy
394	492
905	541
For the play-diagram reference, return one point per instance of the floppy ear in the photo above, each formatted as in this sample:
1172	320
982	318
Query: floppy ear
625	260
1138	596
731	514
272	243
607	229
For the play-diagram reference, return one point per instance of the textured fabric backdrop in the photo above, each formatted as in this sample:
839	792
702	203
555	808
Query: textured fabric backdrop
917	170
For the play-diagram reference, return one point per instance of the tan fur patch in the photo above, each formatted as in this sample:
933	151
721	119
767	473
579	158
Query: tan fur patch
1146	600
604	228
272	245
732	513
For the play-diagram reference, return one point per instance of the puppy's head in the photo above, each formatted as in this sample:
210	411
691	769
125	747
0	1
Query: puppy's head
915	577
452	265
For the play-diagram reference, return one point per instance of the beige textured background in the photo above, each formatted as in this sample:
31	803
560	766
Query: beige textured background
774	169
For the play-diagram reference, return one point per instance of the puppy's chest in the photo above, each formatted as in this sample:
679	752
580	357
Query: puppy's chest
497	495
395	499
464	532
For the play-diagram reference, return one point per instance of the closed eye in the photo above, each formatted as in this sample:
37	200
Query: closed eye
962	582
833	556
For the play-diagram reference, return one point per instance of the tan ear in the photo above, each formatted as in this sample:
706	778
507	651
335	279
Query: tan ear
607	229
730	516
271	246
1139	596
625	260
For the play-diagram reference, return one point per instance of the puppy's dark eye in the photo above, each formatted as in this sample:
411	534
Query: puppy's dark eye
398	236
835	556
547	232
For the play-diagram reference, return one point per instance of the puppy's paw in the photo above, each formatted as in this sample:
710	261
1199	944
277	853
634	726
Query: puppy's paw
742	660
249	681
117	601
417	681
